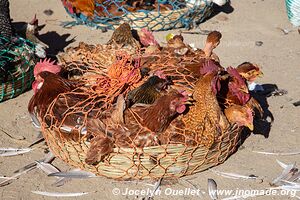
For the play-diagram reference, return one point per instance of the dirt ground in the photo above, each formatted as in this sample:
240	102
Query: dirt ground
248	22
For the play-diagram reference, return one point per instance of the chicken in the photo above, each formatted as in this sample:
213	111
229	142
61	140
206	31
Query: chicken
235	92
140	5
30	32
123	37
204	117
44	65
85	7
249	71
149	91
140	127
241	115
47	87
234	89
146	38
176	42
212	41
5	22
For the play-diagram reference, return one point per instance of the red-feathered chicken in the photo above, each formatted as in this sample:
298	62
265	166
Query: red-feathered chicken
235	92
234	89
85	7
183	70
47	86
138	126
146	37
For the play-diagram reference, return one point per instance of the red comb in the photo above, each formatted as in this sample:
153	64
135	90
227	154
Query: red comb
46	65
208	67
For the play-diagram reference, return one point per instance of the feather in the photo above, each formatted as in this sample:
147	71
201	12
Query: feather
277	153
15	176
284	174
78	174
242	196
35	121
7	178
287	187
13	151
48	158
233	175
46	167
212	189
61	182
283	165
59	194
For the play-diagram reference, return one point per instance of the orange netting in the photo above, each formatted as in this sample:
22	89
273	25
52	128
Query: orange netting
86	117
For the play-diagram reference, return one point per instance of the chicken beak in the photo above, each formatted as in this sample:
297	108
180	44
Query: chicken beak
245	90
189	101
261	74
250	126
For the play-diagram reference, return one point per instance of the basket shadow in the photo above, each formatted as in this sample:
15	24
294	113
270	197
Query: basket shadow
263	124
56	42
227	9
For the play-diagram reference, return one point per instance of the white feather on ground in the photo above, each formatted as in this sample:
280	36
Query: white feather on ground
212	189
13	151
233	175
60	194
78	174
47	167
289	174
278	153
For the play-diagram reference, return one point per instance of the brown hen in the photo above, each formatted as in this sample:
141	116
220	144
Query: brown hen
241	115
123	37
249	71
138	126
205	120
49	86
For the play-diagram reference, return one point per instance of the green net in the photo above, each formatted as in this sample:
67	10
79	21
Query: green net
17	60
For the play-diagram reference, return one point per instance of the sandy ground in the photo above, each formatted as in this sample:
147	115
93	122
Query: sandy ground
250	21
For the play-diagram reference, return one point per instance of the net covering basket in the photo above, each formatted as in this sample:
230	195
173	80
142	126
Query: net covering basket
96	66
17	60
162	15
293	11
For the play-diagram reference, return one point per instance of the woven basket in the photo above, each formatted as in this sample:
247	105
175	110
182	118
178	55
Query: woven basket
19	79
181	16
168	161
